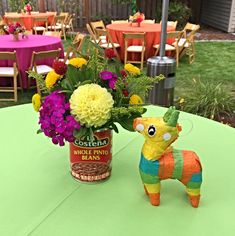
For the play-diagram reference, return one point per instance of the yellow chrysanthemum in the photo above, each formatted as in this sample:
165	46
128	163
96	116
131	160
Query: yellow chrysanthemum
78	62
36	100
51	79
181	101
91	105
133	70
135	100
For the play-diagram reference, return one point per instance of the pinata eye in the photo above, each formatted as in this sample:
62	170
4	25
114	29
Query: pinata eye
151	130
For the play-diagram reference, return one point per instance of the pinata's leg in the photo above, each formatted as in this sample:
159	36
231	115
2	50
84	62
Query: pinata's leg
153	191
193	189
151	187
146	192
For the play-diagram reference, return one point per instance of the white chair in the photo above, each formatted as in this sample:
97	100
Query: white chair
109	43
58	25
40	24
10	72
42	69
134	48
174	47
119	21
98	25
148	21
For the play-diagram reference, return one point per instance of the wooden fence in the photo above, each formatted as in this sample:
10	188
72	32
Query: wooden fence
86	10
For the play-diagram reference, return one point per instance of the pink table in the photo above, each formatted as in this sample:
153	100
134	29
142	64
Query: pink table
24	49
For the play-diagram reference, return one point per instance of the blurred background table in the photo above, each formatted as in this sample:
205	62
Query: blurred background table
27	20
39	197
24	49
153	33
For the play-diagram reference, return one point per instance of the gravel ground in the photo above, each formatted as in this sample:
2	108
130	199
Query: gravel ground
208	33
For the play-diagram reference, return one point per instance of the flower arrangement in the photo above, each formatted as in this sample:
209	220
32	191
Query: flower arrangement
15	29
137	17
28	8
89	94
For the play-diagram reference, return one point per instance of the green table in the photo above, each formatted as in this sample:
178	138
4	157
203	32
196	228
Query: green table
38	196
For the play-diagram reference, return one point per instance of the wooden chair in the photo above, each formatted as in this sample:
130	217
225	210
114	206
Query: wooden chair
109	43
171	23
58	25
13	19
68	24
40	24
2	26
134	48
174	47
187	41
98	25
42	69
119	21
94	38
74	48
53	33
10	72
148	21
65	14
11	13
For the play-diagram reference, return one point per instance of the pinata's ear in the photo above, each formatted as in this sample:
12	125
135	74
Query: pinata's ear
171	116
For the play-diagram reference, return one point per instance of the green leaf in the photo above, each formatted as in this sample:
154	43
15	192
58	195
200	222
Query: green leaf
83	131
66	84
39	131
127	124
114	127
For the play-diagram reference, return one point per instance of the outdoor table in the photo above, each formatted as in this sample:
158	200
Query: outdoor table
27	20
39	196
24	49
153	33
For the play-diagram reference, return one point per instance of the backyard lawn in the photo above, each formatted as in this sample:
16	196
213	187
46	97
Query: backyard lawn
214	63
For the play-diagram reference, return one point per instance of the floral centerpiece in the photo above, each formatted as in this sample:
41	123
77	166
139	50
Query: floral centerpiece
15	29
28	8
137	18
85	100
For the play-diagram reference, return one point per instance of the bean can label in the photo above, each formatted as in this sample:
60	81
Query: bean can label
90	160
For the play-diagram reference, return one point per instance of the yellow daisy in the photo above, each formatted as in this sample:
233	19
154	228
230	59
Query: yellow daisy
133	70
78	62
51	79
36	100
135	100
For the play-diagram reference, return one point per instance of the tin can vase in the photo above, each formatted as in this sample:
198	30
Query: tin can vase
90	160
16	37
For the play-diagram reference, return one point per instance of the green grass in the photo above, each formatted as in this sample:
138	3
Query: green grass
214	62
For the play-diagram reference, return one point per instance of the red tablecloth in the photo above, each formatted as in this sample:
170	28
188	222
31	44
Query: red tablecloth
153	32
24	49
27	20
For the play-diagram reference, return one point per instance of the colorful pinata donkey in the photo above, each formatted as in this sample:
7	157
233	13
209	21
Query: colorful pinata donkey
160	161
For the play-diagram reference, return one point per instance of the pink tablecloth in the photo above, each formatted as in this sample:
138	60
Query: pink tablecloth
153	32
24	49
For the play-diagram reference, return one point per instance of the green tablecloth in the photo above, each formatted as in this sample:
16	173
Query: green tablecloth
39	197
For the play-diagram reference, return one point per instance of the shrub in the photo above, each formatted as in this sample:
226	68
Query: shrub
208	99
177	12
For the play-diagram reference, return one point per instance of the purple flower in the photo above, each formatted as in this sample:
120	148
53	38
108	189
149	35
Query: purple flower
106	75
55	120
111	77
